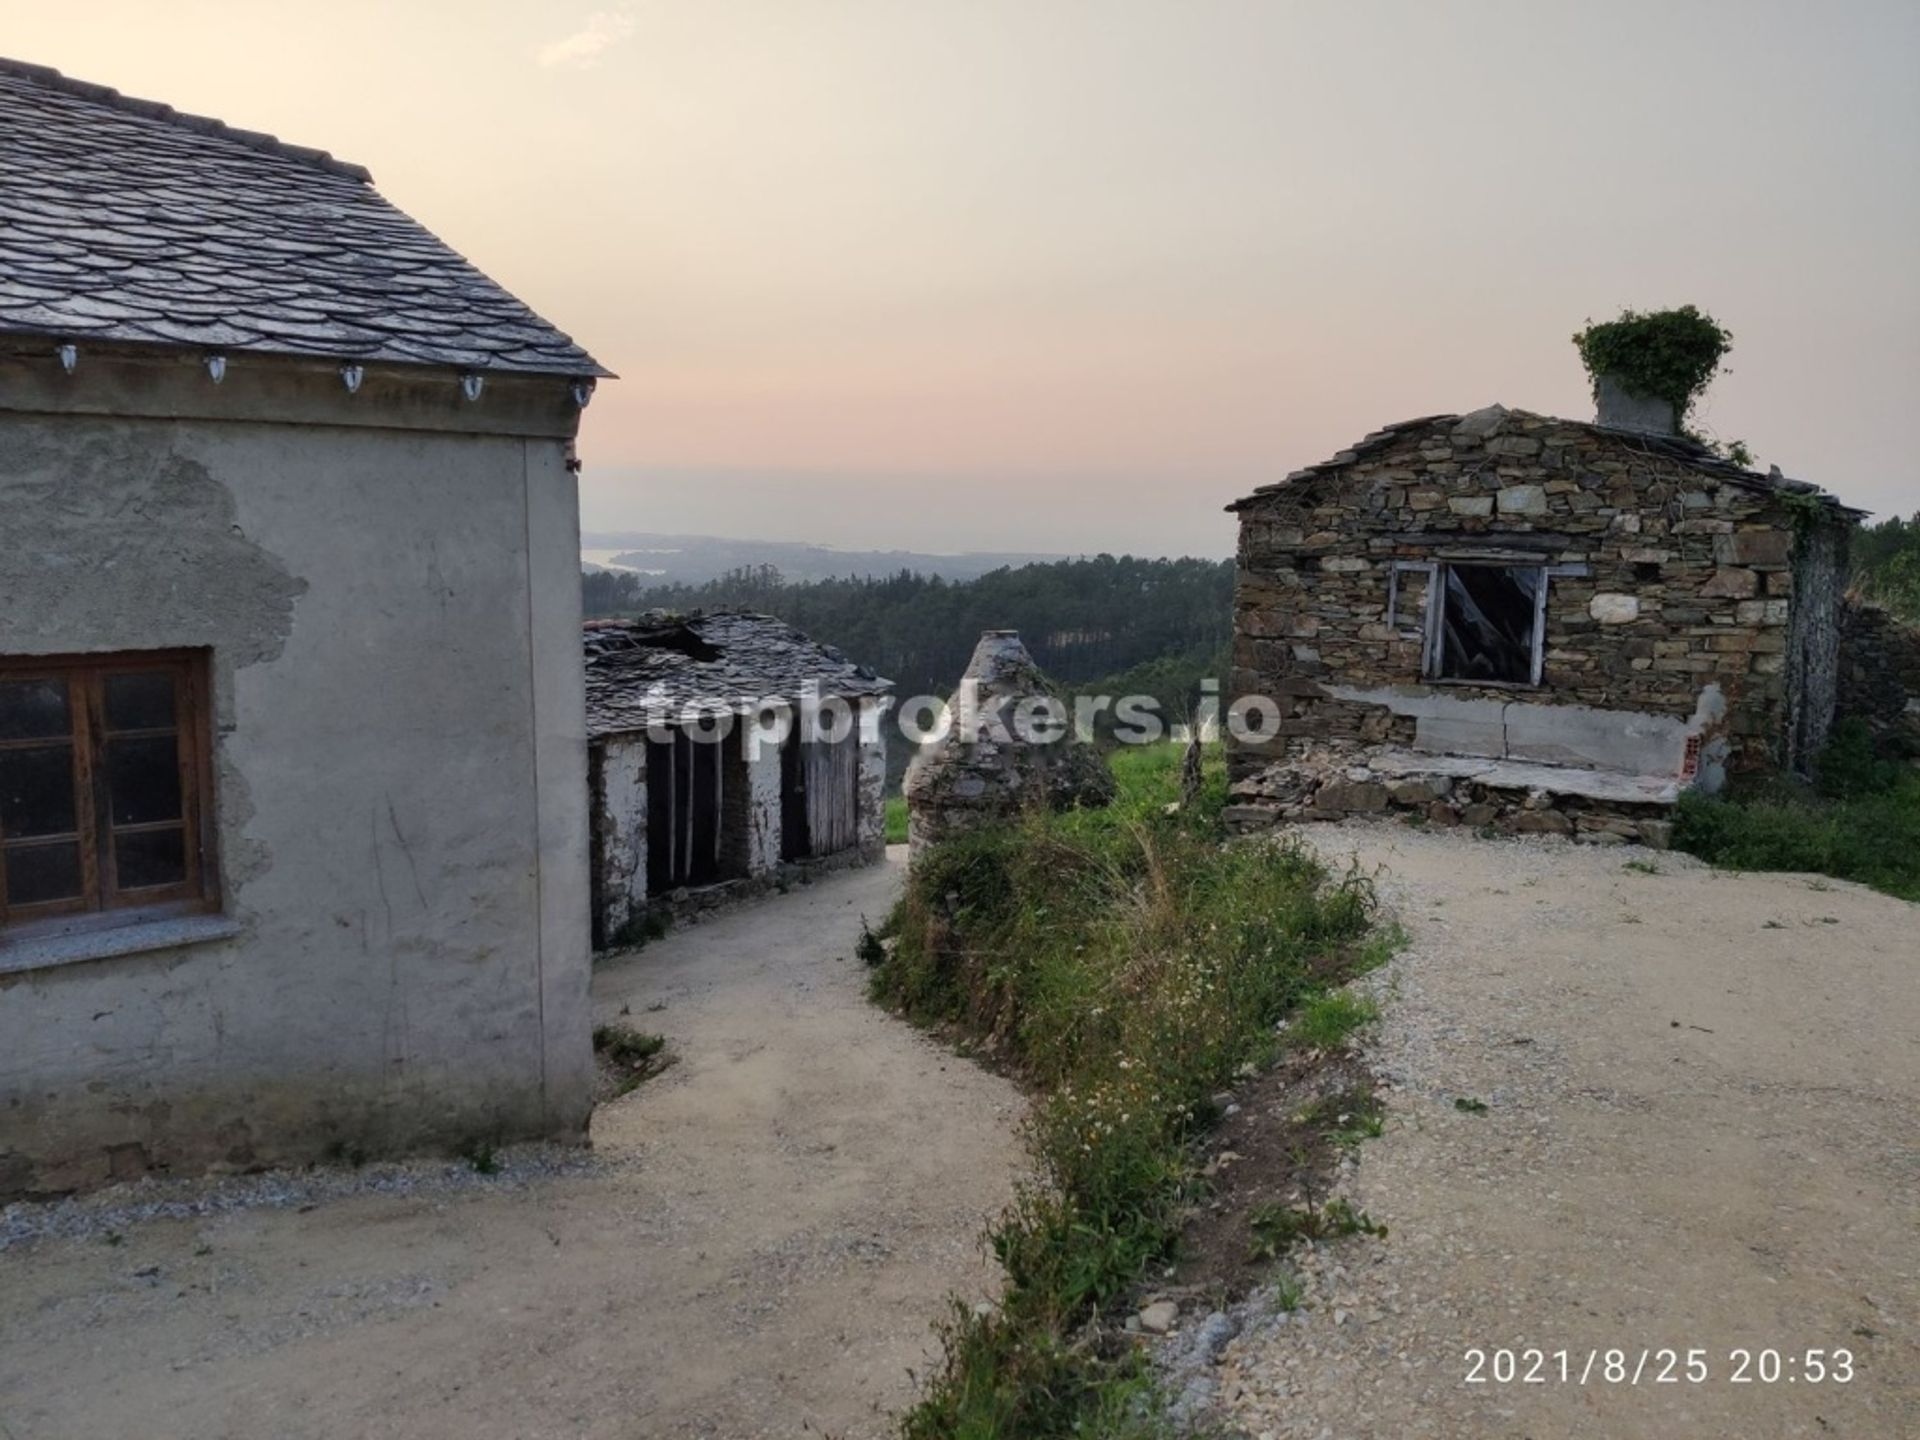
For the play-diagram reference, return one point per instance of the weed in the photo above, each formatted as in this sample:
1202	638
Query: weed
1642	867
1467	1105
1130	966
1288	1291
870	949
640	930
633	1055
1381	946
1276	1228
481	1155
1365	1120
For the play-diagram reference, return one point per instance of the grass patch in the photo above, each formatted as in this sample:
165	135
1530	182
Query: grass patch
1128	965
1325	1021
1860	821
896	813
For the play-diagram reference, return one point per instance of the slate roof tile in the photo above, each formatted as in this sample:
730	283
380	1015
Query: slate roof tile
124	220
1683	448
713	660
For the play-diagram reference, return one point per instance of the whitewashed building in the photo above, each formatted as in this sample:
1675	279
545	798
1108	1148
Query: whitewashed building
708	780
293	831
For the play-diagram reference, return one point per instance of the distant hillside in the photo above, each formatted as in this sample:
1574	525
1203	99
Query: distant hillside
1102	625
696	559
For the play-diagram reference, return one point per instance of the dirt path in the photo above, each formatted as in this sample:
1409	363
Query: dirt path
758	1244
1702	1129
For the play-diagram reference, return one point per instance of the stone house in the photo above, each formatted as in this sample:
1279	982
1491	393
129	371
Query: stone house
293	831
1540	624
727	752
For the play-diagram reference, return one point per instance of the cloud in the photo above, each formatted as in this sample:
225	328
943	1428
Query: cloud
582	50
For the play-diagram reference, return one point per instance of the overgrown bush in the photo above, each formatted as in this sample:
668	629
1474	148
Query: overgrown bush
1671	355
1129	965
1859	821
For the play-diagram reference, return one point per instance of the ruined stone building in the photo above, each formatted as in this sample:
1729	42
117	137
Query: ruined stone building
293	824
1541	624
1006	747
728	751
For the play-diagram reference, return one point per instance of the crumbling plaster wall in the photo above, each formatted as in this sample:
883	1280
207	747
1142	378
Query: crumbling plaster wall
1667	616
393	620
872	817
617	781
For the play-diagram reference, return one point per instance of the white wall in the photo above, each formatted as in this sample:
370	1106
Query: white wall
394	623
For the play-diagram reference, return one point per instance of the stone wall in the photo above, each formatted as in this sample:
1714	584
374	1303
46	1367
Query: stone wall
1879	675
1007	748
1666	631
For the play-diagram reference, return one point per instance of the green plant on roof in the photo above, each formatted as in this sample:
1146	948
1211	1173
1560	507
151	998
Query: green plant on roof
1670	355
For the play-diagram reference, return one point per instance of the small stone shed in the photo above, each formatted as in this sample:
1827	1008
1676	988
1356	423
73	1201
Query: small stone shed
293	855
727	752
1508	619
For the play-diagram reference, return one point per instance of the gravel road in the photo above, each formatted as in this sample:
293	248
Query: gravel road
757	1244
1702	1131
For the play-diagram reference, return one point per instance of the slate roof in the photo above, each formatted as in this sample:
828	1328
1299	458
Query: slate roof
124	220
716	659
1490	421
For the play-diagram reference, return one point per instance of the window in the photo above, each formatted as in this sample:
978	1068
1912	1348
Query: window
696	812
1489	625
104	796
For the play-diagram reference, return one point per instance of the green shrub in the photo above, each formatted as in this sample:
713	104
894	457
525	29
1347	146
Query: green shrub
1128	964
1860	822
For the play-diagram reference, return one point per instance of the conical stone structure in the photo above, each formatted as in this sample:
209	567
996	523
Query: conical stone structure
1008	748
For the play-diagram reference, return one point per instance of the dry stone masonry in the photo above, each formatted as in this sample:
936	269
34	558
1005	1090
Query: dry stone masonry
1008	748
1505	619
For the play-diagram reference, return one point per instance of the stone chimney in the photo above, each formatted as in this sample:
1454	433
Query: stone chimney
985	769
1622	409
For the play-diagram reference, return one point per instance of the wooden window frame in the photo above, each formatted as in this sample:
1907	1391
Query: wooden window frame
1435	654
103	903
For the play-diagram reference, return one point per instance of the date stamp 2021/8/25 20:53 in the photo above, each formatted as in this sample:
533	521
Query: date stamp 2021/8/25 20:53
1663	1365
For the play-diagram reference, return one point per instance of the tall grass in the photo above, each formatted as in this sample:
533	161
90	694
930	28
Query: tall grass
1859	821
1127	964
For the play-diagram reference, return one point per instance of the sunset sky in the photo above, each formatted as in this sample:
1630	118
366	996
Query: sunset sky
1072	274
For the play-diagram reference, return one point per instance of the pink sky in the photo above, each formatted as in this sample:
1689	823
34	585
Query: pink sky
1072	274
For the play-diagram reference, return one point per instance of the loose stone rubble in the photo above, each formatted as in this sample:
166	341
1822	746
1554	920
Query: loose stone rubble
1008	748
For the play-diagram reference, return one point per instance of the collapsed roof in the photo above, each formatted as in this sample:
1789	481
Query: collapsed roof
718	660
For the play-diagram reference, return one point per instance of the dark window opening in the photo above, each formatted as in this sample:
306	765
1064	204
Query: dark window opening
104	794
1489	628
694	790
819	796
